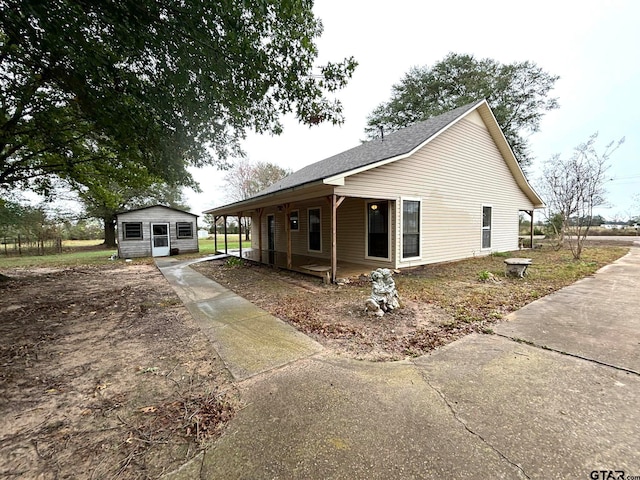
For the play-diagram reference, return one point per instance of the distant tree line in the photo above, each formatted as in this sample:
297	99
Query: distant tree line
26	229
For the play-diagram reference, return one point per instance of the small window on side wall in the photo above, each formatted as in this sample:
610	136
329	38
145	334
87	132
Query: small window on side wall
486	226
184	229
294	221
132	230
410	228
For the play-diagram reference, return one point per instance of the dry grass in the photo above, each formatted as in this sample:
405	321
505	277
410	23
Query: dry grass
458	287
440	303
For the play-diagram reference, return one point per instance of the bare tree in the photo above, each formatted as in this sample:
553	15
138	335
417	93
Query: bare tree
573	187
248	178
634	216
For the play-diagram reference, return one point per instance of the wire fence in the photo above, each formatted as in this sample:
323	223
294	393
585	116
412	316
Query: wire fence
30	245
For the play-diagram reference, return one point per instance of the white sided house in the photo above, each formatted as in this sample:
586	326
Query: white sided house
156	231
443	189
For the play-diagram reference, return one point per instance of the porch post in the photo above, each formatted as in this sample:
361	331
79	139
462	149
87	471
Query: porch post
334	244
336	201
531	233
287	229
225	235
215	234
259	211
240	232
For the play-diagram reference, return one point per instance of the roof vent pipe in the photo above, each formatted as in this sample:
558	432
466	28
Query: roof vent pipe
381	132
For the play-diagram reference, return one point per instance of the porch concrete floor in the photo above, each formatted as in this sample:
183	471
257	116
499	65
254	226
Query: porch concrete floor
279	259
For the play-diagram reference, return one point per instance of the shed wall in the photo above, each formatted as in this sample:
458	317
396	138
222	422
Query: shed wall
147	216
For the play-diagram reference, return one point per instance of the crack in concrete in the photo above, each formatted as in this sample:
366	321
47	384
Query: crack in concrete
568	354
519	469
201	468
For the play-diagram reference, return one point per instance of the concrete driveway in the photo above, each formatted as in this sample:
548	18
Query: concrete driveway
596	318
553	394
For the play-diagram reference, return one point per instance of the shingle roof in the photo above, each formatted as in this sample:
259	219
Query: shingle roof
395	144
154	206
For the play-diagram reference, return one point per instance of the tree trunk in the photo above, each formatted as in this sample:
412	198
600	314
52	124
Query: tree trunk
110	231
247	229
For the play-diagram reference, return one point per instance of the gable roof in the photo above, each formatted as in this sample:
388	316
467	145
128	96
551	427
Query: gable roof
396	145
154	206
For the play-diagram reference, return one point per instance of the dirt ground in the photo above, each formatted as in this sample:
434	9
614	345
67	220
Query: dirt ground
103	374
334	314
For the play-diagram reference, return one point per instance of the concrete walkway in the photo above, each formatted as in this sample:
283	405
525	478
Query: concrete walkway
486	406
597	318
248	339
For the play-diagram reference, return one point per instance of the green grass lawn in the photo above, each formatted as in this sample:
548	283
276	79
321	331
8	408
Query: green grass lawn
207	246
78	256
91	252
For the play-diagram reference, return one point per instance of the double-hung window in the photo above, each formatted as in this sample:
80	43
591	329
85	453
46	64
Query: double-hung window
410	228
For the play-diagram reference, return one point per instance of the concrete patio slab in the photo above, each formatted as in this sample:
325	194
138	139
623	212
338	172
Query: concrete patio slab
596	318
554	415
334	418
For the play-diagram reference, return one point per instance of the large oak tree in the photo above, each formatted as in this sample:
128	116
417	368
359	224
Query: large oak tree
518	94
164	85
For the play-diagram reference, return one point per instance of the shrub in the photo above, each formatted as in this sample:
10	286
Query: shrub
484	275
234	262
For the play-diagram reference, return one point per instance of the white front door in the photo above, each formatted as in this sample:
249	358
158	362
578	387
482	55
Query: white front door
160	239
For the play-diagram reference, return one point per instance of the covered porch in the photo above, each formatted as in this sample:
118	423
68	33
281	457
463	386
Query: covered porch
315	232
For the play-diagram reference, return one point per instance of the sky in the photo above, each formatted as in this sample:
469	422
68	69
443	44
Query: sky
594	46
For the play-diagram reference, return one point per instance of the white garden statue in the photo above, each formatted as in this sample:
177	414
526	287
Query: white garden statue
384	296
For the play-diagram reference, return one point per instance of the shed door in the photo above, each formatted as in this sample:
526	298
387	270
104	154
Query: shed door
160	239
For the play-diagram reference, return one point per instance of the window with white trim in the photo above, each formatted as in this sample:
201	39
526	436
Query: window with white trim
132	230
487	213
410	228
184	229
